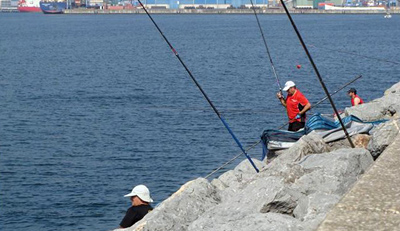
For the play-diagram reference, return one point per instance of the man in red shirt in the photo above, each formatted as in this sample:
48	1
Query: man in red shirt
296	105
355	99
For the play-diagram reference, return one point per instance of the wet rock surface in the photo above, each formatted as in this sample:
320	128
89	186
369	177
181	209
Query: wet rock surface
293	192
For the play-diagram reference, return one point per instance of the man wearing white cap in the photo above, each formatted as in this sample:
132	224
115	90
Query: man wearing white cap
296	106
140	197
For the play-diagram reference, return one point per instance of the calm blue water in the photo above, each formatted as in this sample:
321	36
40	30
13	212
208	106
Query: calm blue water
92	105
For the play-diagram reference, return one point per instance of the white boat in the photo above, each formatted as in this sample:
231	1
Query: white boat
388	15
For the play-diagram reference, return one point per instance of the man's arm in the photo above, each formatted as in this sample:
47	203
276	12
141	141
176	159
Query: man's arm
356	101
281	98
305	109
128	219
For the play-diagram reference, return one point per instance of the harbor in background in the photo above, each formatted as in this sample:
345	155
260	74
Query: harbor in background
200	6
230	11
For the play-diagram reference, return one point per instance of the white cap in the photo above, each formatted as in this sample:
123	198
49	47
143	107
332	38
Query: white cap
142	192
288	85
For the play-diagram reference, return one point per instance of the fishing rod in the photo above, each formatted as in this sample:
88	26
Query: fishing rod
201	89
326	97
317	73
266	47
231	160
256	143
354	53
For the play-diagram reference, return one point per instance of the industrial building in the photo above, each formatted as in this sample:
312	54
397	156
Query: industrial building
8	4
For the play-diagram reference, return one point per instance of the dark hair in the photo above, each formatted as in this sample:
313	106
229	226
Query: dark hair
352	90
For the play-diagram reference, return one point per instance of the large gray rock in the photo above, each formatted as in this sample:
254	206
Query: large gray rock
299	195
233	180
294	198
241	173
246	167
309	144
359	141
318	203
283	204
395	90
258	221
324	179
181	209
374	202
333	172
243	202
387	106
382	136
374	110
312	210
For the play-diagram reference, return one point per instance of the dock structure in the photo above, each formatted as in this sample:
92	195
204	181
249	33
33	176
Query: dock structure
8	10
223	11
374	201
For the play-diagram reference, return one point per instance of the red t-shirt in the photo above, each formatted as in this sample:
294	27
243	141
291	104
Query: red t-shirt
293	104
352	100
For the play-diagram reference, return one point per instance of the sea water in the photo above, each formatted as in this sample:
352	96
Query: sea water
92	105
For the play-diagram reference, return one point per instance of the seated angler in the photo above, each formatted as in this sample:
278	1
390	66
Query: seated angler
140	198
355	99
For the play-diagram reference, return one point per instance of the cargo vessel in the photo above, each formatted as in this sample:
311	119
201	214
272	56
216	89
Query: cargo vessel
53	7
29	6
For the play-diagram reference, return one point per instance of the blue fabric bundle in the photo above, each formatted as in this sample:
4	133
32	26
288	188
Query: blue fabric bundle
315	122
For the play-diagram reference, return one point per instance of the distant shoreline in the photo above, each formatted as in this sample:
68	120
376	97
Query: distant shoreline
216	11
225	11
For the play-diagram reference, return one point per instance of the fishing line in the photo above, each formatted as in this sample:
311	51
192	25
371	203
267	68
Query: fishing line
317	72
356	54
229	110
231	160
266	46
200	88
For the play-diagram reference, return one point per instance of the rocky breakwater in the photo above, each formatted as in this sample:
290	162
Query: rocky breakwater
293	192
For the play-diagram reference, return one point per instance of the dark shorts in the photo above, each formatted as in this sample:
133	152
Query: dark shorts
295	126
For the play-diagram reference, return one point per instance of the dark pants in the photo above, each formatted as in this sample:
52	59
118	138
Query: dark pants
295	126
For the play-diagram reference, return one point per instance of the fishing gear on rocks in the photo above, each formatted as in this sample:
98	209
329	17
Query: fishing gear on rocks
200	88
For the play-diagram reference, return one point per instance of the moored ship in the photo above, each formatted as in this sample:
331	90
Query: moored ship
29	6
53	7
